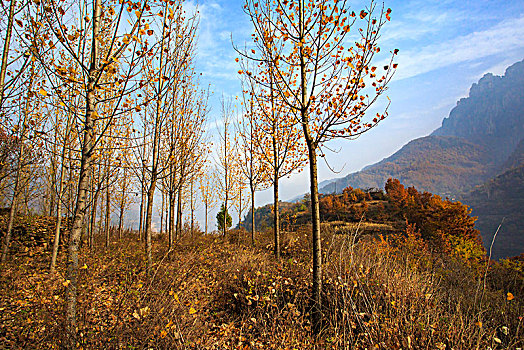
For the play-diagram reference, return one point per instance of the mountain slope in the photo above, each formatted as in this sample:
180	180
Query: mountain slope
501	198
438	164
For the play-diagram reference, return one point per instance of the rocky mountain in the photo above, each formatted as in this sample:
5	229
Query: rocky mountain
478	150
470	147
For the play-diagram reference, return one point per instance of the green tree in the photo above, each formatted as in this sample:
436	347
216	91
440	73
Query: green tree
224	220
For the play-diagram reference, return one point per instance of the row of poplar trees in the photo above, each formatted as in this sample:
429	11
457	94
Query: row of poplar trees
99	103
100	99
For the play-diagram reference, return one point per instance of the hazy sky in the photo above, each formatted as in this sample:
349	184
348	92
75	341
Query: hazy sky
445	46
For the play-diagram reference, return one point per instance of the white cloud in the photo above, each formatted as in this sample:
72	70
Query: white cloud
505	36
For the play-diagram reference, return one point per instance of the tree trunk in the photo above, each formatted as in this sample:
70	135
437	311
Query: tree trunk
141	222
12	210
5	53
240	208
162	214
58	215
206	205
149	214
122	205
178	233
121	218
192	211
276	221
252	216
83	184
93	213
108	209
316	315
171	228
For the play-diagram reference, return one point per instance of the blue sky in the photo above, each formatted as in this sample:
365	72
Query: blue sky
445	46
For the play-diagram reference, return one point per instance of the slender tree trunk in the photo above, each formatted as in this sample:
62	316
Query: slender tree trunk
192	211
252	216
58	215
108	209
178	233
276	221
240	208
149	214
155	153
141	222
316	315
12	210
122	204
83	185
92	222
162	214
206	205
171	229
52	192
5	53
225	216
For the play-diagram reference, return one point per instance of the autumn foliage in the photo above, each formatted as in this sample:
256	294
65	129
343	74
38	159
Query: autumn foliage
446	225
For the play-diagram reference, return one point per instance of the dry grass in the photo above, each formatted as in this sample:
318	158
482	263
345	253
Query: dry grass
210	293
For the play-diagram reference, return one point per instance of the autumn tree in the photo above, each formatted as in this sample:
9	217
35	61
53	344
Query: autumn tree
25	122
227	160
327	87
107	49
279	143
250	162
207	183
445	225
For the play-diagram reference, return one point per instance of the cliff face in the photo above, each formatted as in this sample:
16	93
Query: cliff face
477	155
493	112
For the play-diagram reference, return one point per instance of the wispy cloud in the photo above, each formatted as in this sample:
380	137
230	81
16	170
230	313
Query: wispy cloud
505	36
214	51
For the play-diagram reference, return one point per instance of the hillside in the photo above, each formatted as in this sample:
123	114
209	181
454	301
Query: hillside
501	197
445	165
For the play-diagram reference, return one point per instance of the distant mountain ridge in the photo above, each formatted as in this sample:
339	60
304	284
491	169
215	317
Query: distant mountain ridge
477	156
470	147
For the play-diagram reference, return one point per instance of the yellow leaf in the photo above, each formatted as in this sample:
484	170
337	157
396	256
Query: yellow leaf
66	283
42	92
144	311
192	311
510	296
